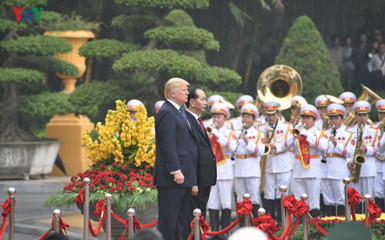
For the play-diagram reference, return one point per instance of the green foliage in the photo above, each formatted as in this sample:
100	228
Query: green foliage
51	64
218	76
184	37
52	21
95	98
20	75
231	97
38	45
305	51
184	4
123	21
106	48
39	109
163	61
12	25
119	201
25	3
178	18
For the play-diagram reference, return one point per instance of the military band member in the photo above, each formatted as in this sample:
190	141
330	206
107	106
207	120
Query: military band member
370	135
220	194
336	169
158	105
321	102
210	102
307	170
296	103
132	107
349	99
378	182
279	162
236	122
248	146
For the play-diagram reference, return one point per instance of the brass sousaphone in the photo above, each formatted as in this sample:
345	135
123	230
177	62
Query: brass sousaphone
278	83
366	95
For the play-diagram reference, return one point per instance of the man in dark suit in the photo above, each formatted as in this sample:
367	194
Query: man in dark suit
175	170
207	169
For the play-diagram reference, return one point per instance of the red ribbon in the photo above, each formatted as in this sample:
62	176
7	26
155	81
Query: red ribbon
266	223
62	225
245	207
7	207
288	203
353	200
319	228
79	199
226	229
100	207
302	208
202	224
374	212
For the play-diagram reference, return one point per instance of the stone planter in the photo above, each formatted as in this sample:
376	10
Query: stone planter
25	159
77	39
144	216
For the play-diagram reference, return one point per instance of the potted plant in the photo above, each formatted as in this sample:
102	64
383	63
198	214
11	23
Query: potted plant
25	63
77	31
123	156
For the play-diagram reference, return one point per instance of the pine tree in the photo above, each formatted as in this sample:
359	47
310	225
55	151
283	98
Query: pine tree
305	51
171	46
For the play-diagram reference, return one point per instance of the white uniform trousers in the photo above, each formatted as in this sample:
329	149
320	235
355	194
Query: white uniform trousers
379	186
248	185
220	195
310	186
365	185
272	183
333	192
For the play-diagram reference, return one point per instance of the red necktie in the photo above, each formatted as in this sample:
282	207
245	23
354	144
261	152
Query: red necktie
201	123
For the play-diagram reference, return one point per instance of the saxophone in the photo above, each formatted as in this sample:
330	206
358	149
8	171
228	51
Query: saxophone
358	158
267	152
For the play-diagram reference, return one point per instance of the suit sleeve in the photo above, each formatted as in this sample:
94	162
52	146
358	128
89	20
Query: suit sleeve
167	141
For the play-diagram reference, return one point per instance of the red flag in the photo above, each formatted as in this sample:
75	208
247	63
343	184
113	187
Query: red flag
217	150
304	151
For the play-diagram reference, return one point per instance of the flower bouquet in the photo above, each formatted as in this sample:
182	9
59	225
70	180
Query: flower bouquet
123	156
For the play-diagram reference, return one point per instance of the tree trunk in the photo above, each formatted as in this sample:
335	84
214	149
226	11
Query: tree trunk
10	130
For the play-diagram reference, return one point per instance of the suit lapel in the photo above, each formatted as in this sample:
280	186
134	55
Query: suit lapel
197	127
176	111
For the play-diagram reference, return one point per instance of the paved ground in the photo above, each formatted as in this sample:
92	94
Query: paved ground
32	219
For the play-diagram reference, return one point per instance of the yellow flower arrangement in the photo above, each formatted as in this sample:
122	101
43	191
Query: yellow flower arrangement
123	156
123	139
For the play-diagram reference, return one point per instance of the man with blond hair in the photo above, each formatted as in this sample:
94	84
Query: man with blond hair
175	170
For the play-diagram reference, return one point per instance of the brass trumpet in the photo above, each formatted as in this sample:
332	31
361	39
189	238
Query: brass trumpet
209	129
296	131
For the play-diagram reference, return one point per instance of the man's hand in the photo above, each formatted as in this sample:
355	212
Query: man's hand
272	146
245	138
194	190
363	148
350	165
333	140
179	177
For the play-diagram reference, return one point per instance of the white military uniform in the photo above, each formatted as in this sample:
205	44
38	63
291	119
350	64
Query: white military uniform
279	163
370	135
336	167
378	182
307	180
247	171
220	194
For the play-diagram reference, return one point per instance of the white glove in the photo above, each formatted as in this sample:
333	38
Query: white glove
304	132
215	132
